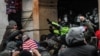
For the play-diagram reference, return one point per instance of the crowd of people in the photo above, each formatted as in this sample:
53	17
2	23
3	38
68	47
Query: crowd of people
16	43
75	41
70	36
64	39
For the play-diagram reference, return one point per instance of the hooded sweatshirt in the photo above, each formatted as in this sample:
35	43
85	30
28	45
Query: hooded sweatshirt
76	45
75	36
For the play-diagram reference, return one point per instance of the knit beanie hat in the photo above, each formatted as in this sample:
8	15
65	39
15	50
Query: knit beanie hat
12	23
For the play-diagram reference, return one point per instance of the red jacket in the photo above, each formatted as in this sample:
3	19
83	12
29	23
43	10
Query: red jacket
97	34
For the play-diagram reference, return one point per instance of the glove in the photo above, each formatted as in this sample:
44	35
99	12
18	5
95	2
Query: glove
49	22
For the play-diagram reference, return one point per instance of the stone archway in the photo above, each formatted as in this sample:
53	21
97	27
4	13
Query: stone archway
73	8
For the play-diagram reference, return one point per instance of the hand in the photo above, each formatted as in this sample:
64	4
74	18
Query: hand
36	52
49	22
16	53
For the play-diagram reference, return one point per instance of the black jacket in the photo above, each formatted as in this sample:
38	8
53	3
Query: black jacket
12	36
84	50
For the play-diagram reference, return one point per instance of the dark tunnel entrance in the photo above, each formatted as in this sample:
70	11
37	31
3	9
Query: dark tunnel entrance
72	8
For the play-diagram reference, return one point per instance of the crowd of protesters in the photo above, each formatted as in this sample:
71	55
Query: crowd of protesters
64	39
16	43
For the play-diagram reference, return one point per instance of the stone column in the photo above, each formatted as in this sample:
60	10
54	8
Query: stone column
36	34
26	15
3	19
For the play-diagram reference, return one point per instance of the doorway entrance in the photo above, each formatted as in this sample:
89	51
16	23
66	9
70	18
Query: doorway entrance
73	8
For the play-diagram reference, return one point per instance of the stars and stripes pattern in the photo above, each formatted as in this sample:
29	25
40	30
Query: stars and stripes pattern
29	44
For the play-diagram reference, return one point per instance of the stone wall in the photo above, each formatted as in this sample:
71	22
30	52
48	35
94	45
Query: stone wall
47	12
27	12
3	18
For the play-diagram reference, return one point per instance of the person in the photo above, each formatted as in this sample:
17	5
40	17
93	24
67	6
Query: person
43	49
28	43
43	38
89	25
9	29
76	44
97	34
15	36
65	18
59	29
14	11
11	46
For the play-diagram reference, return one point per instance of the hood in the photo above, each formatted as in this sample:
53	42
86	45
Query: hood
75	36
